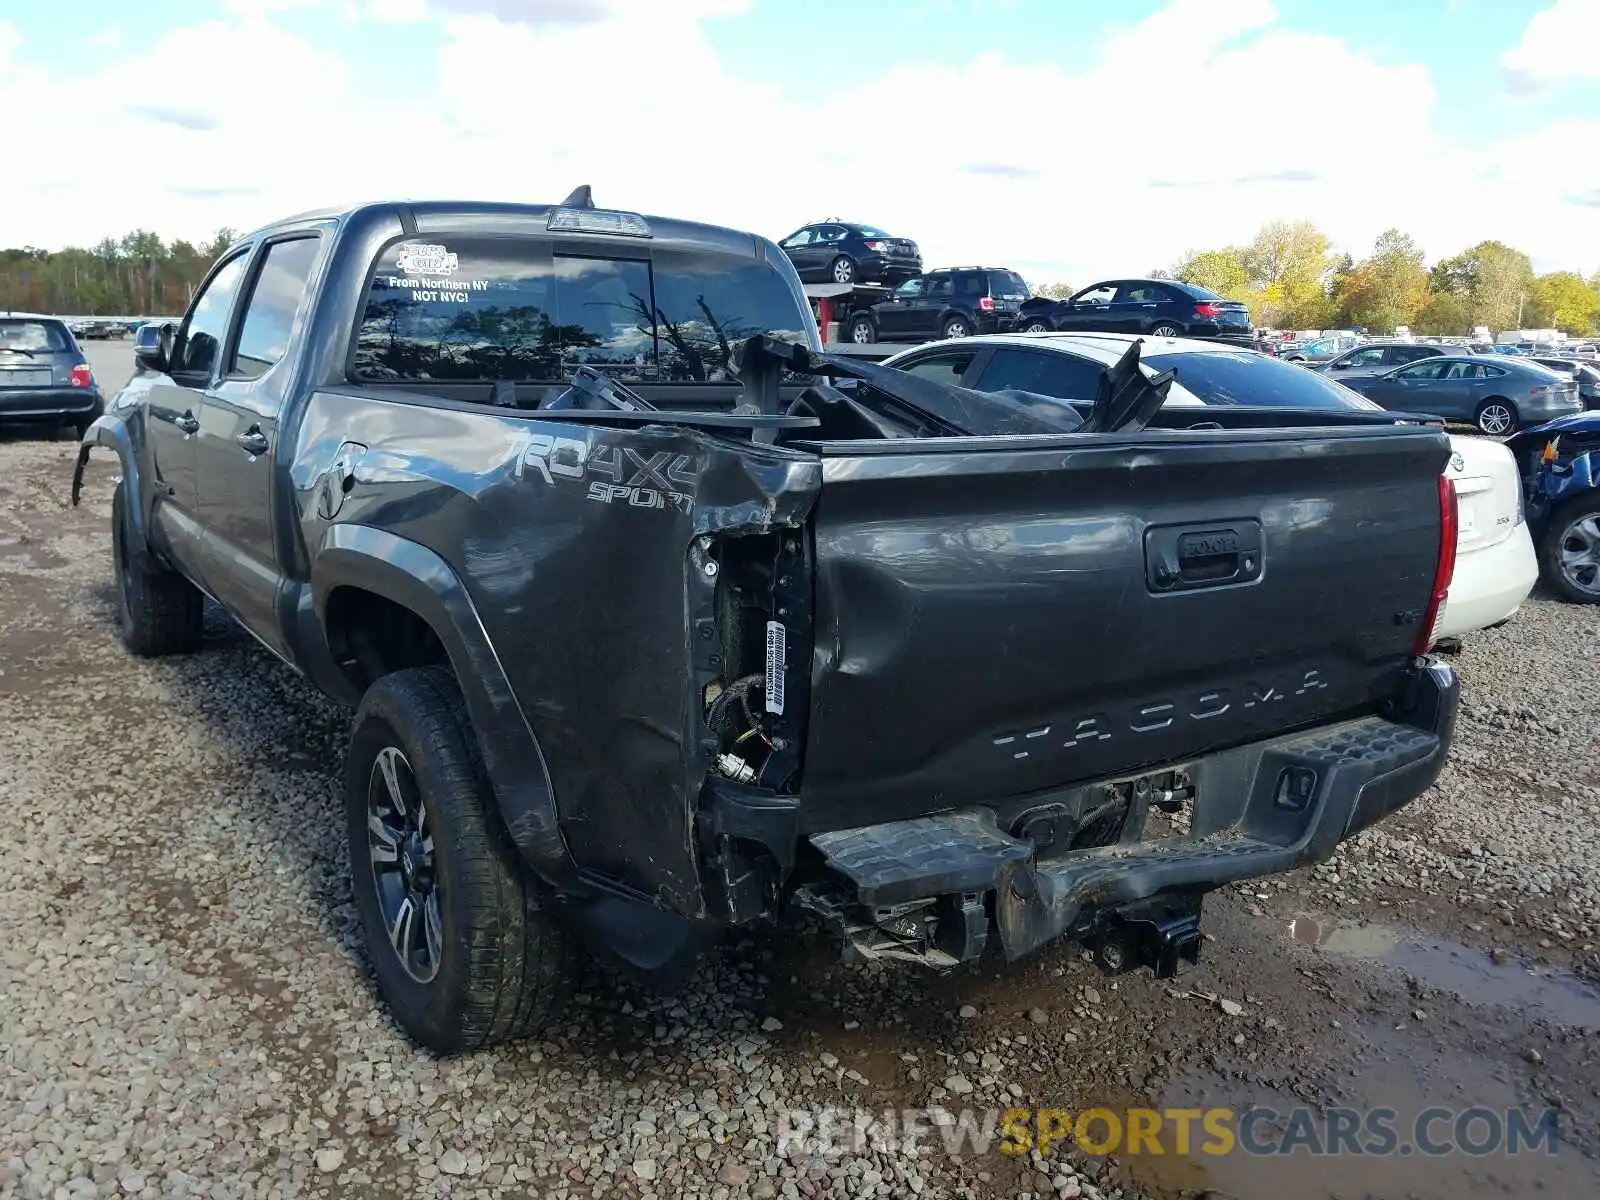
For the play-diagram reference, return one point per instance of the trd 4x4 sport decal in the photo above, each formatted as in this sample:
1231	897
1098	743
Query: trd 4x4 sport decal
637	478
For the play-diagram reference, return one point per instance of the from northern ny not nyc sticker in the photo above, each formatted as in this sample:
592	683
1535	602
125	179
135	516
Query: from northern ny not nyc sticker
427	271
611	474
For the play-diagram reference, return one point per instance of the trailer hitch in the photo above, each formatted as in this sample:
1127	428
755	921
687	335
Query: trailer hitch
1158	933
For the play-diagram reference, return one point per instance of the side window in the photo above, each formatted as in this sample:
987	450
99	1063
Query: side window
1370	357
799	238
1422	370
944	368
275	300
971	283
911	289
1492	372
1141	293
1415	353
829	234
940	287
1062	375
200	341
1100	293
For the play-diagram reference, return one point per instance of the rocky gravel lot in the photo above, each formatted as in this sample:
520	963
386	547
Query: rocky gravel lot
187	1009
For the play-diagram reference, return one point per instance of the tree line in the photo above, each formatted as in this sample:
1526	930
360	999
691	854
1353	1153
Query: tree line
1291	279
1288	275
138	274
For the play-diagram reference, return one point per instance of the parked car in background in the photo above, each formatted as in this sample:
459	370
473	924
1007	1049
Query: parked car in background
1159	307
1495	563
44	376
1586	374
952	302
848	252
1376	359
1560	462
1498	394
1321	349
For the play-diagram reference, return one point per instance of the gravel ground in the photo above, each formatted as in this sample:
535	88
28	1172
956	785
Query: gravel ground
188	1010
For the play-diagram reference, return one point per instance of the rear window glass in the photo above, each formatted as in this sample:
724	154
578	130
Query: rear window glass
871	231
1008	285
1195	291
1244	377
475	309
32	336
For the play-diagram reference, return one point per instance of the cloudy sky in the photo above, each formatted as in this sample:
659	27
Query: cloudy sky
1070	139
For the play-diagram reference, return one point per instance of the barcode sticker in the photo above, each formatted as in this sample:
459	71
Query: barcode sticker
777	661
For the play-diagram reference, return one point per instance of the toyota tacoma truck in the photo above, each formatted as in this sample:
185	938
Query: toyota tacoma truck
659	621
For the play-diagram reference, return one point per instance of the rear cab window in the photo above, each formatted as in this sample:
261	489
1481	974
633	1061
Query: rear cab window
526	309
1007	285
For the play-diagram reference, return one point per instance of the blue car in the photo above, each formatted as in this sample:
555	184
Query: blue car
1560	463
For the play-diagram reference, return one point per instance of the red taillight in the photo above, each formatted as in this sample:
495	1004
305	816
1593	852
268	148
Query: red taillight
82	376
878	247
986	303
1207	310
1444	568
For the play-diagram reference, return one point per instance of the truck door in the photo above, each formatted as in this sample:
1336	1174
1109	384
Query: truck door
237	453
174	406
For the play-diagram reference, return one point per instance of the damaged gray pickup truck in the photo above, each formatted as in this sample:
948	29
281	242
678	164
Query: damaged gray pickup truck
660	621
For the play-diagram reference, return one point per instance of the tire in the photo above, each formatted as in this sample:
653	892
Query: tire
159	612
842	270
487	962
956	327
1035	326
1165	329
1496	416
863	331
1568	527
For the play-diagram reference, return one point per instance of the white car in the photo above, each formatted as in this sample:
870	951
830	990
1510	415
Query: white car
1495	563
1496	566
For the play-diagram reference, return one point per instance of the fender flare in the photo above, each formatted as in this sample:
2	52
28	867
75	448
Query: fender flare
111	432
416	577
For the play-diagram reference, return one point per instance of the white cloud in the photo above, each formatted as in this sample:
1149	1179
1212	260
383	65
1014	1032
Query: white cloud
1065	175
1558	44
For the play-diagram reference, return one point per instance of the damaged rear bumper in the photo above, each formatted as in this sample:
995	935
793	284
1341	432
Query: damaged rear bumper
934	888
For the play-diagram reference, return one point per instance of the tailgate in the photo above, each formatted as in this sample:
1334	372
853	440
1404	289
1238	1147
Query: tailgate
997	617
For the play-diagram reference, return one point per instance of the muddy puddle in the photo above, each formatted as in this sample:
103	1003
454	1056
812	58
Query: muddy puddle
1473	977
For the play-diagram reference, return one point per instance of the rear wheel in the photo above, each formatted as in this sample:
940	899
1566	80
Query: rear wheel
957	327
159	612
1496	417
1165	329
1035	326
1569	552
862	331
463	946
843	270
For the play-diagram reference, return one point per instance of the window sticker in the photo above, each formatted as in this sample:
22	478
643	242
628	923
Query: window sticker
426	267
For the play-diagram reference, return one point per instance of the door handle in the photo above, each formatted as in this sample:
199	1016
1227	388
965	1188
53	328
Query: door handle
188	423
253	441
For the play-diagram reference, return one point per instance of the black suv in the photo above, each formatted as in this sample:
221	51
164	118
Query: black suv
845	252
44	377
1160	307
951	302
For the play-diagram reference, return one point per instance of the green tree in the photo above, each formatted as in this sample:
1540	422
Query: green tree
1492	278
1562	300
1444	315
1055	291
1222	271
1387	289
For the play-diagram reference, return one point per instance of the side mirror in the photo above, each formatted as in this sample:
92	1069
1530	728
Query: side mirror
152	347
